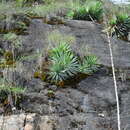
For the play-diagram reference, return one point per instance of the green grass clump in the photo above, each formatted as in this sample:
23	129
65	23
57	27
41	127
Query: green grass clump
120	26
91	10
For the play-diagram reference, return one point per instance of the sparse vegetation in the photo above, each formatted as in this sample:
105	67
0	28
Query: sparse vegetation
10	95
11	89
9	57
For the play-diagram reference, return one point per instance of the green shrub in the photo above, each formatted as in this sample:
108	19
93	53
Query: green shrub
92	10
120	26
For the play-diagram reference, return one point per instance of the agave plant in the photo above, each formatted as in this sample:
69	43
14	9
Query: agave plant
95	10
90	11
89	64
120	26
63	63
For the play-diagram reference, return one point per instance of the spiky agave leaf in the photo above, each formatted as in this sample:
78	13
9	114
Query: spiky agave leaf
89	64
62	47
63	63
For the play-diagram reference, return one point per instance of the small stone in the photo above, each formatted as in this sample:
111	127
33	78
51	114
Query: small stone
30	118
28	127
101	115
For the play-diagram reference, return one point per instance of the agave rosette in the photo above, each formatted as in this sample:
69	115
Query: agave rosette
120	26
91	10
63	63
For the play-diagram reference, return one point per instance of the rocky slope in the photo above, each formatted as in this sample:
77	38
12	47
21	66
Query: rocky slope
85	105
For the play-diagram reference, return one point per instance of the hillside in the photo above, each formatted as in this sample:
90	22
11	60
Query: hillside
55	65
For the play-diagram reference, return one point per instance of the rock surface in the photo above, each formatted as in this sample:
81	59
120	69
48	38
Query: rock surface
87	105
